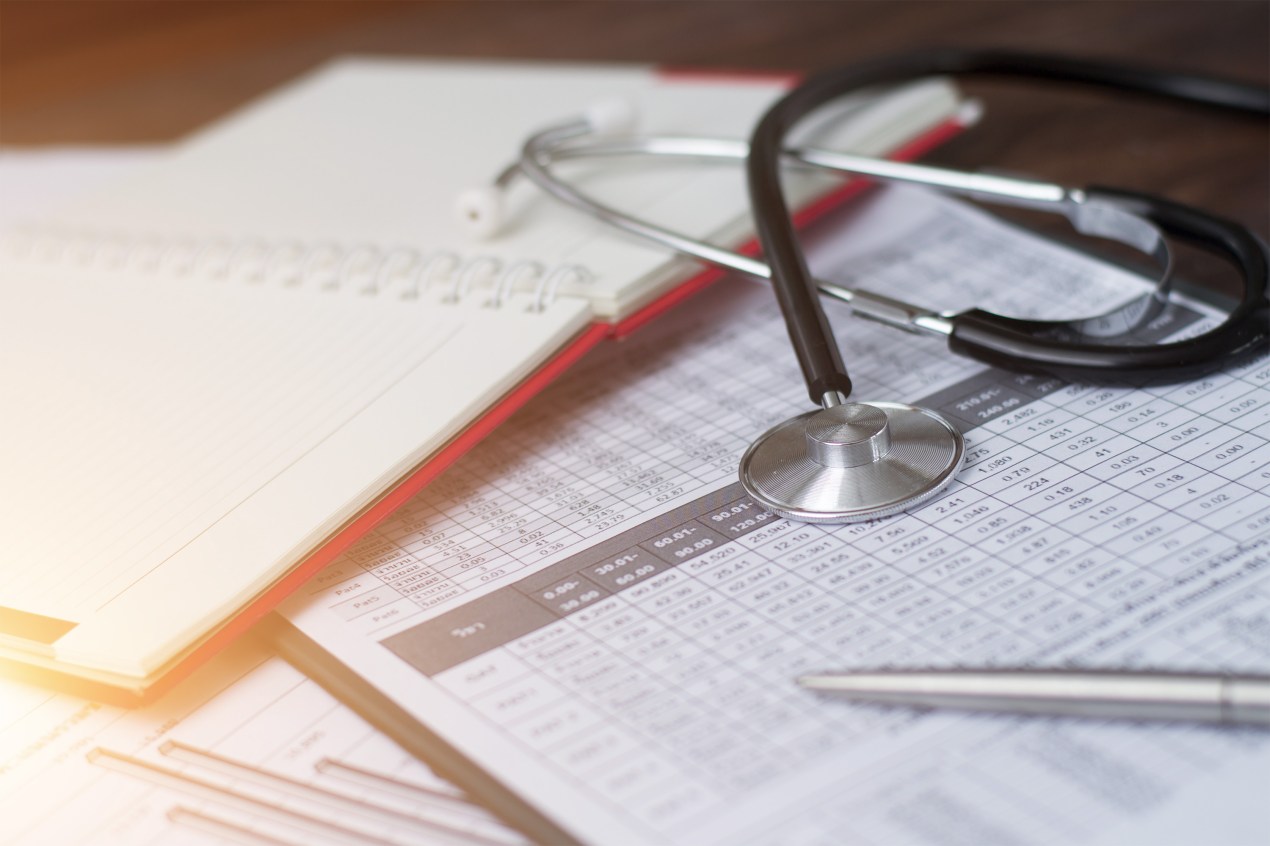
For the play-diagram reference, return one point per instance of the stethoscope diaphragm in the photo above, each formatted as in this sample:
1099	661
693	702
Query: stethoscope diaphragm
852	462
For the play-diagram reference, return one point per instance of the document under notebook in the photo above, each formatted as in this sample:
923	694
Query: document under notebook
218	373
590	610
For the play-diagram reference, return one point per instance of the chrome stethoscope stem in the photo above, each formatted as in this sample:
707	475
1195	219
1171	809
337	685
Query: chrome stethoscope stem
570	141
1009	190
544	148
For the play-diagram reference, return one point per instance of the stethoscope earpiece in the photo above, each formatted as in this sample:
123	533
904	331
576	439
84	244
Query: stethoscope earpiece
480	212
611	116
851	462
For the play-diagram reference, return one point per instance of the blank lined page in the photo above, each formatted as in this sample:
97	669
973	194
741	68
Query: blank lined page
145	412
171	447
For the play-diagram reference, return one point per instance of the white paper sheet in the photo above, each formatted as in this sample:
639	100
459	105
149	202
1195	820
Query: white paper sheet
36	180
236	754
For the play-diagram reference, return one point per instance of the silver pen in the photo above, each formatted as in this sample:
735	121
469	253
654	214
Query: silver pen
1123	694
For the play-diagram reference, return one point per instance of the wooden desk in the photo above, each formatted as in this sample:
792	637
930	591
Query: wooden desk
152	70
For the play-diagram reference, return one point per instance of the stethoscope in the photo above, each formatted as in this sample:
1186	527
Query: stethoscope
852	461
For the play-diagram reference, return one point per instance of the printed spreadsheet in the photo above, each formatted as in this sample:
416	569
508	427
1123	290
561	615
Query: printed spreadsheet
593	589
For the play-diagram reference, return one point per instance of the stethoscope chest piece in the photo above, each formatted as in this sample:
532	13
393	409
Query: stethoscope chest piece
851	462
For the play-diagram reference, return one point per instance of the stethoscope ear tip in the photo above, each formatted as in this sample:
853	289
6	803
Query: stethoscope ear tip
480	212
611	116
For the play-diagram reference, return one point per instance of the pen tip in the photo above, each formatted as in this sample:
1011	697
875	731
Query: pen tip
824	681
858	681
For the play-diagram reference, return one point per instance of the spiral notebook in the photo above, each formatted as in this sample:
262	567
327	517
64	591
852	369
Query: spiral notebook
221	371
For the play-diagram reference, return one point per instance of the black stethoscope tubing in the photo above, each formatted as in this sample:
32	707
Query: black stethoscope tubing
1009	342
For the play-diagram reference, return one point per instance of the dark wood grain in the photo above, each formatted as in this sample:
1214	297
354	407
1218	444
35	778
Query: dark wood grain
154	70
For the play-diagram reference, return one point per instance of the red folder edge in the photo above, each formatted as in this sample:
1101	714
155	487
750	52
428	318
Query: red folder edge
411	485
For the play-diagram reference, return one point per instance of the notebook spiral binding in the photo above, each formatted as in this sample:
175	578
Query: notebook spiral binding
363	269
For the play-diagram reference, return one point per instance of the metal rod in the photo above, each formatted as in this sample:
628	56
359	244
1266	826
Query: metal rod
1194	697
